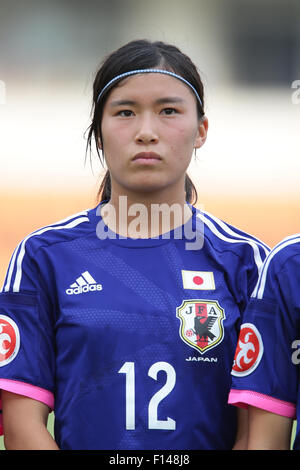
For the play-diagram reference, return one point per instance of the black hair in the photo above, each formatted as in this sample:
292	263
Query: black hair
140	54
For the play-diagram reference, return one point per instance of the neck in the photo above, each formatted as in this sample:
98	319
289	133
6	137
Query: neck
146	216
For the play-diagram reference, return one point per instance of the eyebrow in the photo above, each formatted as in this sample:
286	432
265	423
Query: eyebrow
167	99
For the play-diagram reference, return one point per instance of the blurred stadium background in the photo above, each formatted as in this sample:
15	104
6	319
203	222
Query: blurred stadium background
248	54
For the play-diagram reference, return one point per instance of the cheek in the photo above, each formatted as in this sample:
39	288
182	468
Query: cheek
115	137
182	143
112	142
184	133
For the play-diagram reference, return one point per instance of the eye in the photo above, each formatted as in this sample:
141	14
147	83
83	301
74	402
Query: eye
169	111
125	113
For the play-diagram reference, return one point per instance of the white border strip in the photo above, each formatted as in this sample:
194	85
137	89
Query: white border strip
259	291
229	230
18	263
252	243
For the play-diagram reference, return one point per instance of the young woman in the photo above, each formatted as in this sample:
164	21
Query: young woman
266	369
124	318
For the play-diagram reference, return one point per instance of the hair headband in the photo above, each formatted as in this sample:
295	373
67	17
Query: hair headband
134	72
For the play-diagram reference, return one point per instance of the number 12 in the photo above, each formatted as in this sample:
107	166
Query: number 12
166	389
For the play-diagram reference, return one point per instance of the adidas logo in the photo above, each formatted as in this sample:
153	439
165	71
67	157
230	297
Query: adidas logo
84	283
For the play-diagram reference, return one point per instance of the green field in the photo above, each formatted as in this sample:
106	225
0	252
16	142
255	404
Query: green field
50	428
51	423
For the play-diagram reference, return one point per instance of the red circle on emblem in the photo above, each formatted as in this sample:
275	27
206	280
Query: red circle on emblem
198	280
249	350
9	340
189	333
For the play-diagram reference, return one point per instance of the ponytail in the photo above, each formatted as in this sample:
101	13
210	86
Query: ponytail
191	195
104	191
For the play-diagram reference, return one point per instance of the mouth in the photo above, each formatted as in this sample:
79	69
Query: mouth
147	157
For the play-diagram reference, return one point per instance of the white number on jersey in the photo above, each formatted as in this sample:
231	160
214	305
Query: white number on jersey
154	422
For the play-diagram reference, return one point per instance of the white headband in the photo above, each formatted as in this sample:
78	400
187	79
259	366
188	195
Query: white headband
134	72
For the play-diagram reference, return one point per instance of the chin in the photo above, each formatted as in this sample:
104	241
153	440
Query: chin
157	185
148	185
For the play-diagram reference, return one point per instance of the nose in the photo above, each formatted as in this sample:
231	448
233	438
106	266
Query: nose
146	131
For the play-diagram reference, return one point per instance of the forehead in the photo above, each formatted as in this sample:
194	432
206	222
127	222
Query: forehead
155	85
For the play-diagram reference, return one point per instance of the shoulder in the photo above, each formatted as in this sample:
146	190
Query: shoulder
285	250
26	252
285	256
64	230
226	237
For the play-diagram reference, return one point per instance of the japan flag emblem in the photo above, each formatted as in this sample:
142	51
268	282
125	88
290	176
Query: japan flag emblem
9	340
248	352
198	280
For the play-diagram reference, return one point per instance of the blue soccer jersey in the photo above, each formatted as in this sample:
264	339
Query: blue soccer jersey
266	365
130	341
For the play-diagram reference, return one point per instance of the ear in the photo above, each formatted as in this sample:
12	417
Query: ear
99	143
202	132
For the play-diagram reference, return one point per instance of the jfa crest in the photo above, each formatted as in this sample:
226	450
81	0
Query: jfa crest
201	323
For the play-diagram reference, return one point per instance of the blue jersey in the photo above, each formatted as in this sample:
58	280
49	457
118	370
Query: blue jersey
266	366
130	341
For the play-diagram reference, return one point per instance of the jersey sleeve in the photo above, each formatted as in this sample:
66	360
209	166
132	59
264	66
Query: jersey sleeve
265	372
26	329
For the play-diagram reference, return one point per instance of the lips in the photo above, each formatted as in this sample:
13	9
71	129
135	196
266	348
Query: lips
146	156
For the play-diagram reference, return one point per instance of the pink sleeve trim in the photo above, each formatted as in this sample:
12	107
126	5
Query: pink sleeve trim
27	390
242	398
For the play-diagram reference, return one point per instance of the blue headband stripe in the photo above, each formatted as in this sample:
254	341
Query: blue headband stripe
134	72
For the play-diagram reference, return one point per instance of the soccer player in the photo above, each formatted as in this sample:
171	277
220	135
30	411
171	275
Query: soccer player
266	365
126	325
